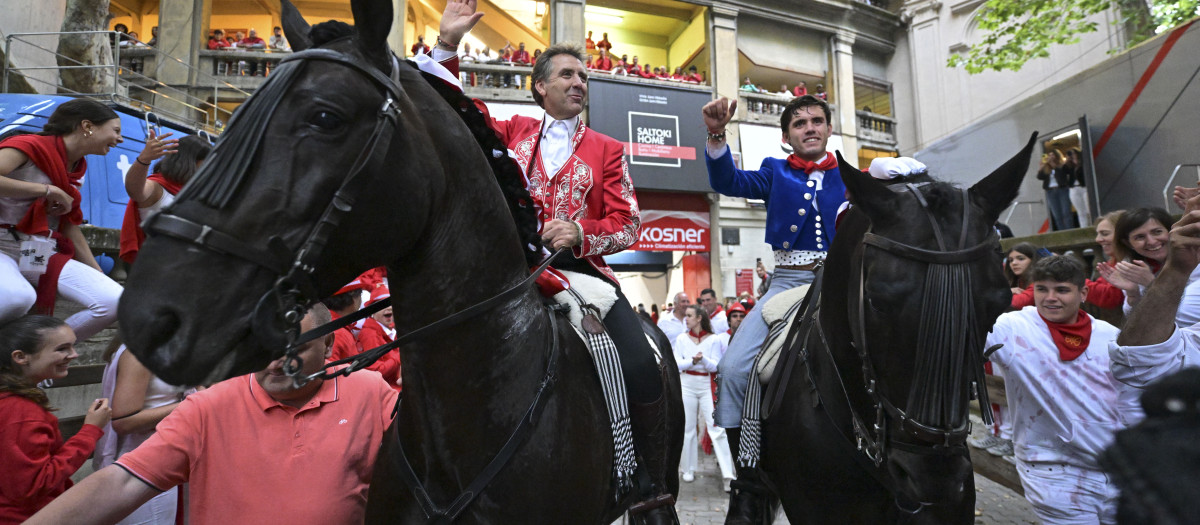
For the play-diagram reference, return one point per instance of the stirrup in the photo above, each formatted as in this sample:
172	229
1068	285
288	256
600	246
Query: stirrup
659	501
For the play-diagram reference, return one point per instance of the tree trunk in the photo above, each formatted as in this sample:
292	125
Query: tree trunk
16	81
90	50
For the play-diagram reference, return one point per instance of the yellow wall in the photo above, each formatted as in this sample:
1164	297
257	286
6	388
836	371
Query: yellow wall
620	38
261	23
143	30
689	40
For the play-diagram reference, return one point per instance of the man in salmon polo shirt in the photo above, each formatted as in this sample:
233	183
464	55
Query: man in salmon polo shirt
253	449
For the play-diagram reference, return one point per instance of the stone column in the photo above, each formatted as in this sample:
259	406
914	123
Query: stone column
843	85
723	59
396	35
183	32
566	21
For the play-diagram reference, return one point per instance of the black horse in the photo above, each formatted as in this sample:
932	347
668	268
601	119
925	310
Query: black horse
347	159
871	424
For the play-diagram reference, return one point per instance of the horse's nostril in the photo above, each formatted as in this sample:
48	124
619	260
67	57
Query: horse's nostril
162	328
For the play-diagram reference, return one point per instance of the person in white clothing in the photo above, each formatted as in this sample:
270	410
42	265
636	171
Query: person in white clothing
1065	403
673	325
43	252
1152	346
697	353
716	314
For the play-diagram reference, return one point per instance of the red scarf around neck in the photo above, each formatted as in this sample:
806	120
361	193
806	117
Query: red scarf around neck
715	312
132	235
826	164
698	335
49	154
1071	339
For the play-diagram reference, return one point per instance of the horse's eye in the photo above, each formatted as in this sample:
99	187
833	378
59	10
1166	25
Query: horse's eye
326	120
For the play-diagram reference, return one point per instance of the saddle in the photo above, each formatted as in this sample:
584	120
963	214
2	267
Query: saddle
592	292
780	313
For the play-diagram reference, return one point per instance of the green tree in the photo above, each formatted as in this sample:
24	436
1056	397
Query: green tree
1016	31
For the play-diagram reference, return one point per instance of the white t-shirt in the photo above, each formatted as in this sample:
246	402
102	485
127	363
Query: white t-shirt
1062	411
712	346
671	326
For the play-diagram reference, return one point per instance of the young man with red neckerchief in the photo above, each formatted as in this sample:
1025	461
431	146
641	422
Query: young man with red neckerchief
1065	404
580	180
803	195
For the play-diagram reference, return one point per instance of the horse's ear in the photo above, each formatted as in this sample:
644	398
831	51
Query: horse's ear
295	28
865	192
996	191
372	22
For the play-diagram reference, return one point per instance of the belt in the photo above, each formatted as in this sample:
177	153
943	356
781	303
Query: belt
812	266
691	373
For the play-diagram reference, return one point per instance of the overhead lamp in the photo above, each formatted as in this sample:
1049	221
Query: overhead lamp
539	9
1074	132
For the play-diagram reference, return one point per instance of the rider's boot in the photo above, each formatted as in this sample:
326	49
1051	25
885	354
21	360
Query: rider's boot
655	504
748	494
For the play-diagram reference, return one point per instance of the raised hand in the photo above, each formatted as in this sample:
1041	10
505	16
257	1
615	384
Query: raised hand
157	146
1183	251
1109	273
1136	271
1184	197
457	20
718	113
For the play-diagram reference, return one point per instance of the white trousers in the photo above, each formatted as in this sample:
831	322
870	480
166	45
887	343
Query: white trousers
78	283
1067	495
697	397
1079	200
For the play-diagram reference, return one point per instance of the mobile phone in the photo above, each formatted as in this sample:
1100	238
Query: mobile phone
1043	252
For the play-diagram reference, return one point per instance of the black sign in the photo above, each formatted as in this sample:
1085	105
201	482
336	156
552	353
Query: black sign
660	126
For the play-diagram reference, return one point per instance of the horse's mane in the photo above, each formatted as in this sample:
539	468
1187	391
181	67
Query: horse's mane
507	171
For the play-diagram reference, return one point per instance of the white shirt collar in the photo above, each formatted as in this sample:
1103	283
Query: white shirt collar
572	124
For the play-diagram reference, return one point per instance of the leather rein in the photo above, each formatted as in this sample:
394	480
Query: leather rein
873	440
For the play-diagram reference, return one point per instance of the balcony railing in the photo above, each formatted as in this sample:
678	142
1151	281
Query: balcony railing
876	128
765	108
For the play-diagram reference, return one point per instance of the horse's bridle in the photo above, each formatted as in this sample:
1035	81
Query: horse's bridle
941	440
294	289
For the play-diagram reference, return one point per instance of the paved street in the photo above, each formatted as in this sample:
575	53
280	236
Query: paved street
704	503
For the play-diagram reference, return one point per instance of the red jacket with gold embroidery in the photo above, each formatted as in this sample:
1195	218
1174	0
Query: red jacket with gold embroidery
593	189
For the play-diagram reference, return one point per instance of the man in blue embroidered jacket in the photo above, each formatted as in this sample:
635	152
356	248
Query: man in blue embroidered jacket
803	194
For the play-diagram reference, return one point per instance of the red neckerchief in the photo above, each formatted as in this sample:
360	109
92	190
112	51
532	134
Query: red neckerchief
1154	265
132	235
715	312
49	154
700	335
826	164
1071	339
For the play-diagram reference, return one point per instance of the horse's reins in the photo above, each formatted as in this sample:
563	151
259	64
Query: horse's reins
872	440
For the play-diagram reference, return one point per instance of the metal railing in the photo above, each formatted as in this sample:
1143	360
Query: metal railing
125	80
494	74
1028	204
1166	192
765	108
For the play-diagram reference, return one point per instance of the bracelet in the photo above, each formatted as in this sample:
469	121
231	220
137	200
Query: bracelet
47	195
446	45
139	161
716	137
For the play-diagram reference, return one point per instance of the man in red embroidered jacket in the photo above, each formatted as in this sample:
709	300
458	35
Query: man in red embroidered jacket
581	181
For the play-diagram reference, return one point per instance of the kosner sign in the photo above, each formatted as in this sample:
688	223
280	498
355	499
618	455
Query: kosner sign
668	230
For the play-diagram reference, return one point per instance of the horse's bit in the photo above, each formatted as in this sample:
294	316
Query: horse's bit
872	441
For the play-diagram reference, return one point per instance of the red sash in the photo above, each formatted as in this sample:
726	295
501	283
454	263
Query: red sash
1071	339
826	164
132	235
49	154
